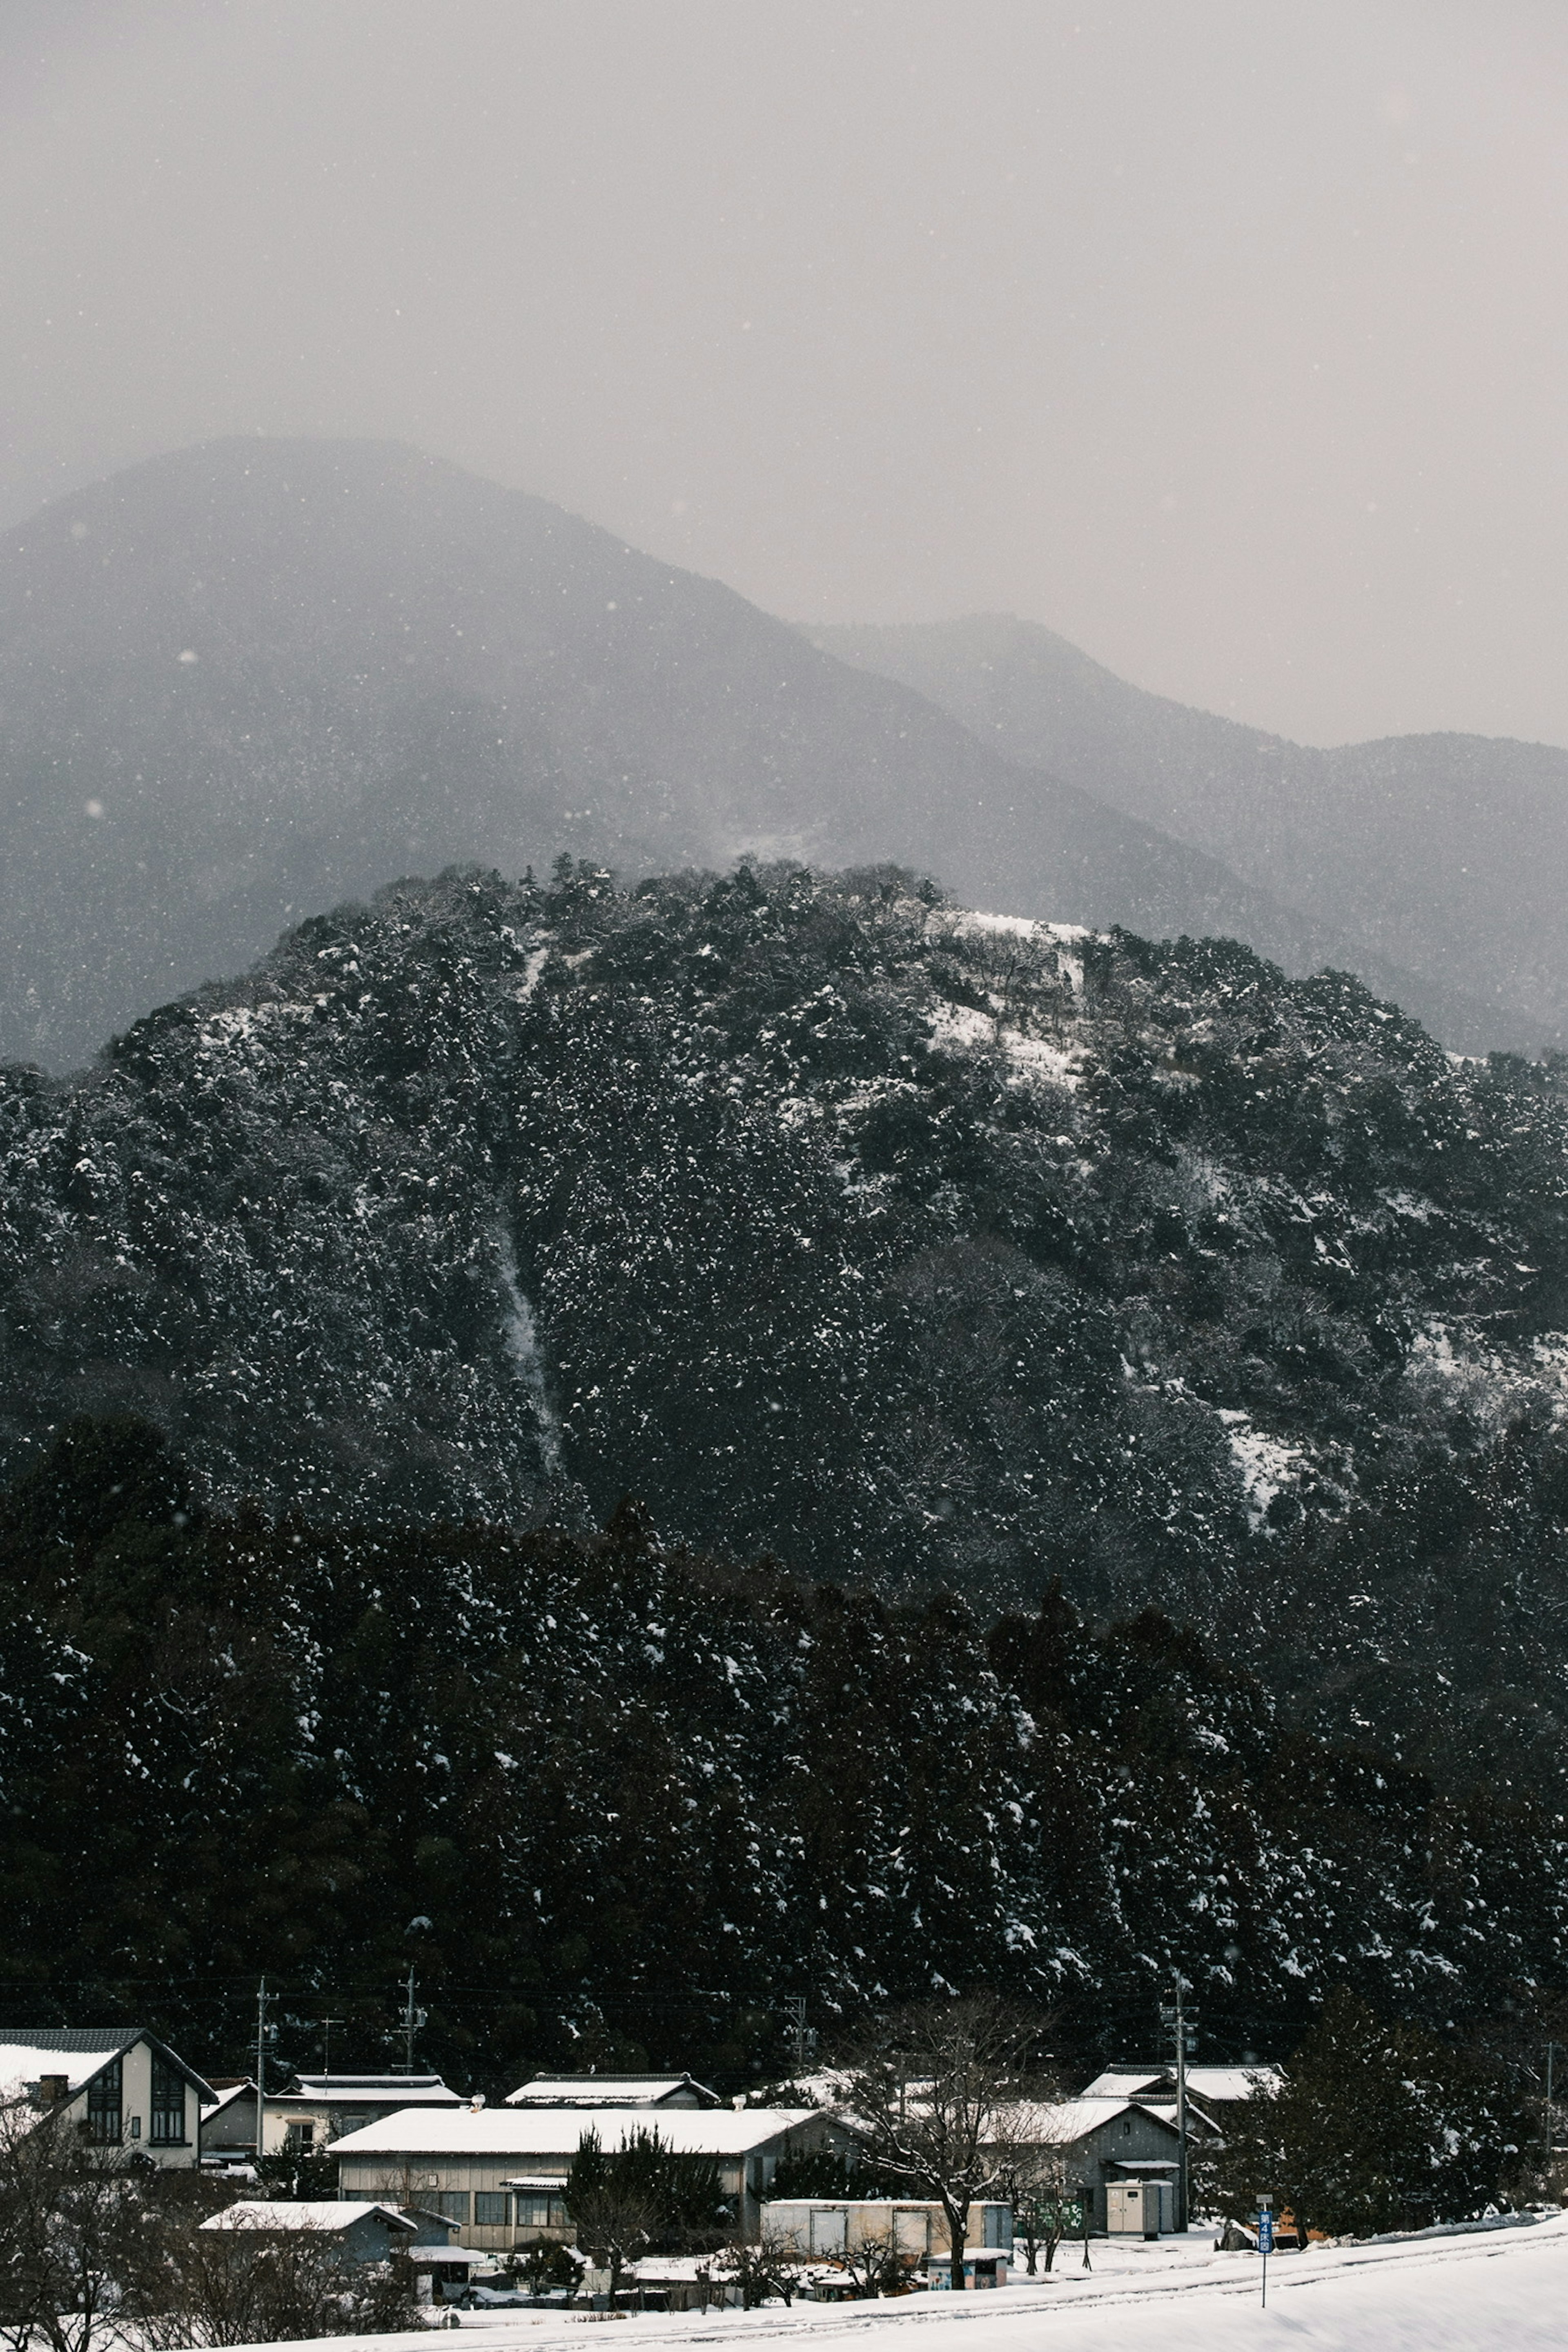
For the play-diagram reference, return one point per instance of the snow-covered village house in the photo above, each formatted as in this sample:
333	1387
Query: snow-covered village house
1114	2146
310	2112
315	2110
499	2173
120	2085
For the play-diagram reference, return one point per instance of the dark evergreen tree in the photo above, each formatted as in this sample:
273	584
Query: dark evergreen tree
1378	2126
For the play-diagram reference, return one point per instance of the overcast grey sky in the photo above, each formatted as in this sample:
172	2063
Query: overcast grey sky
1226	336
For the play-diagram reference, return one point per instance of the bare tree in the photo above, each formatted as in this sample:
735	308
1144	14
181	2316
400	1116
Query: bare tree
933	2091
1036	2175
763	2267
259	2284
878	2266
70	2214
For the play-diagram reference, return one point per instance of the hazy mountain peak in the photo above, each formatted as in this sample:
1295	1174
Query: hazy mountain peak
242	681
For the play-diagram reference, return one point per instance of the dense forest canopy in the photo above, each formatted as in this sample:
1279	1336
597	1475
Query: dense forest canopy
615	1802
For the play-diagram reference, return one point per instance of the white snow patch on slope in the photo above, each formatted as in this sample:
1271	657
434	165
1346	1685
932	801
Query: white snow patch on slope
243	1028
1265	1465
528	980
964	1025
1063	936
1491	1386
521	1340
1017	927
1040	1058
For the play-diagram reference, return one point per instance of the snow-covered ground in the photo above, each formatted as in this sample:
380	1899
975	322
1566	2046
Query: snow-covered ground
1495	2291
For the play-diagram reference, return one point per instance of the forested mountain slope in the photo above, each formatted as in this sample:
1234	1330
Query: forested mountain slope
910	1245
1446	855
613	1803
246	680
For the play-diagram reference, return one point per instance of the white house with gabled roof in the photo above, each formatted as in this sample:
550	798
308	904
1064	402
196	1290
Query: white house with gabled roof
123	2087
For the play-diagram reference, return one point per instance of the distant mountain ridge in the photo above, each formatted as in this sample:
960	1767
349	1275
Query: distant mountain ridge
1447	854
248	681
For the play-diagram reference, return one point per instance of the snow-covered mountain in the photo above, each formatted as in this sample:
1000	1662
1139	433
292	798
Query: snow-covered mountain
243	681
907	1243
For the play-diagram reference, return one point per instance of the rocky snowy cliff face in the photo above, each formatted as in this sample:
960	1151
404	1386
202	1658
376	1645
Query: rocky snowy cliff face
907	1243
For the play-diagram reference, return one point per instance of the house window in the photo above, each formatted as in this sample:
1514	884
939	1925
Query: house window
492	2208
998	2225
168	2104
541	2213
300	2138
452	2204
103	2096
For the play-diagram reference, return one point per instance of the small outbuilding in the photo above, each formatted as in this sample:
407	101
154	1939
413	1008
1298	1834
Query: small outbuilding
356	2232
1123	2144
228	2122
916	2227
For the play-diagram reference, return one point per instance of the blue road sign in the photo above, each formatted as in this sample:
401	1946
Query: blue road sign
1264	2233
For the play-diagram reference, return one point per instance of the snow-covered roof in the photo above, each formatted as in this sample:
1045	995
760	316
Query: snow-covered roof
1234	2082
22	2064
1166	2110
308	2213
1202	2081
608	2090
1071	2119
828	2088
530	2131
226	2098
406	2090
78	2052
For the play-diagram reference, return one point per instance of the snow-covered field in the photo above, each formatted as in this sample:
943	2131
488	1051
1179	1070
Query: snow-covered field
1496	2290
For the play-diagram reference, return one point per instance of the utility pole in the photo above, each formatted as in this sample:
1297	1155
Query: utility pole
1547	2134
327	2025
1180	2020
802	2040
412	2019
263	2002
